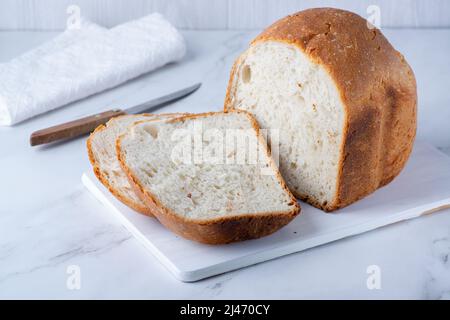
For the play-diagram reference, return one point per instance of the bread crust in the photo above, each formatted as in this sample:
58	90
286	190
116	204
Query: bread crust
377	88
139	207
219	230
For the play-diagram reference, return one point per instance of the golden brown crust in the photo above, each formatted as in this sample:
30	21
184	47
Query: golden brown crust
141	208
100	176
377	88
220	230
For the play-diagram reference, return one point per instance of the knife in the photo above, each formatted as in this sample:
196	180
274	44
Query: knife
87	124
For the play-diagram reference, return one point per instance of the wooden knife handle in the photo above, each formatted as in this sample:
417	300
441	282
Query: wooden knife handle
72	129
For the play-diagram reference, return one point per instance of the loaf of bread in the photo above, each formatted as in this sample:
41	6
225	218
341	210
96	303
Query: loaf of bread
197	184
342	98
101	146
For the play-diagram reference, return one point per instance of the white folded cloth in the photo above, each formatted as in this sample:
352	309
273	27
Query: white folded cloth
84	61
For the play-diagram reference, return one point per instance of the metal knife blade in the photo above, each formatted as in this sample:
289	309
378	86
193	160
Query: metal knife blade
87	124
160	102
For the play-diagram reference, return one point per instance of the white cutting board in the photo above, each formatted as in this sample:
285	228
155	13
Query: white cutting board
422	187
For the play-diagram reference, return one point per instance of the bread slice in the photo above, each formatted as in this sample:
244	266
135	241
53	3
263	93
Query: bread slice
208	177
101	146
342	98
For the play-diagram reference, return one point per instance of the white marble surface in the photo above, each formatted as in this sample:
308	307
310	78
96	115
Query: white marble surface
49	221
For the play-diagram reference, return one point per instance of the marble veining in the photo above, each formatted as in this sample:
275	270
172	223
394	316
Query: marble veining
439	269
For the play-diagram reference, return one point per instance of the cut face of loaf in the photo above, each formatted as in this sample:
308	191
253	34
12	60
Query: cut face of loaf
288	92
101	146
190	171
343	100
